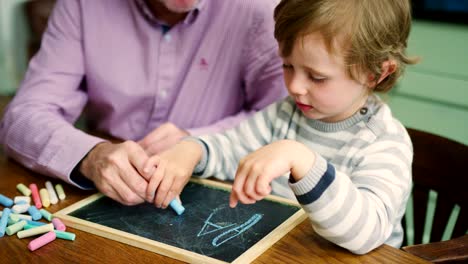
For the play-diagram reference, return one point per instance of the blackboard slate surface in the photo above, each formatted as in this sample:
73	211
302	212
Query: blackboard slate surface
208	226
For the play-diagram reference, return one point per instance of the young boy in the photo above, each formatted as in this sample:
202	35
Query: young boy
332	144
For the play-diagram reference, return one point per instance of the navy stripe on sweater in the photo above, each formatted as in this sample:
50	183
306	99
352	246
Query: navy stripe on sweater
327	178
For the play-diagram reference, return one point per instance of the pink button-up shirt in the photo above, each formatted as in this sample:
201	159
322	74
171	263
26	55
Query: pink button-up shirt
205	74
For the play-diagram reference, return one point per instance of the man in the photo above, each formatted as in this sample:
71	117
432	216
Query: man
149	72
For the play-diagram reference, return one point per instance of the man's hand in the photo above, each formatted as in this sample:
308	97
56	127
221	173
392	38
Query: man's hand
117	170
162	138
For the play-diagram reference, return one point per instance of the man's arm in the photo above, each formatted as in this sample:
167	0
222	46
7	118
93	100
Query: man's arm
37	126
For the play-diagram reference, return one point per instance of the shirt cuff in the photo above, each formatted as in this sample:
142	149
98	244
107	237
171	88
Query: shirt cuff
67	157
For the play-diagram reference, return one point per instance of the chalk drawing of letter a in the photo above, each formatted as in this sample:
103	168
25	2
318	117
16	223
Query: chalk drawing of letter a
209	225
233	232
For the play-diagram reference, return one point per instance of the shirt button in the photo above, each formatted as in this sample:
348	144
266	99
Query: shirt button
163	94
167	37
363	111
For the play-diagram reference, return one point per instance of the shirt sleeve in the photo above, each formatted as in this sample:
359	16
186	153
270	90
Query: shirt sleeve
358	211
262	70
37	127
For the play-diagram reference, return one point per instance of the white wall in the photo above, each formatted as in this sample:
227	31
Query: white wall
14	36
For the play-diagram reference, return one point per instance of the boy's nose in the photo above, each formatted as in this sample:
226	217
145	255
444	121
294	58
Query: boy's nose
297	86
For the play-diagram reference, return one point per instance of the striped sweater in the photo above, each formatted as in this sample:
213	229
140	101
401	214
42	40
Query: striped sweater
356	192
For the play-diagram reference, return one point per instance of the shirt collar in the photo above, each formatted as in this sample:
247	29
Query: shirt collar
148	15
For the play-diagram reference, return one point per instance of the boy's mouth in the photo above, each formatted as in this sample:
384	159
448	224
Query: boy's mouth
304	107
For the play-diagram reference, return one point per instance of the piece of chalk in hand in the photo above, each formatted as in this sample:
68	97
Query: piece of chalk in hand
177	206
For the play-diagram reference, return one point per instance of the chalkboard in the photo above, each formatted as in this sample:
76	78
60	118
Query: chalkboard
208	231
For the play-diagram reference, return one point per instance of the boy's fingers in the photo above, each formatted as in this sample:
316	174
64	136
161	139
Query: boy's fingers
163	190
238	185
155	181
233	200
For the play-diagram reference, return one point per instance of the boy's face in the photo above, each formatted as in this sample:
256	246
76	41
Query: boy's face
318	82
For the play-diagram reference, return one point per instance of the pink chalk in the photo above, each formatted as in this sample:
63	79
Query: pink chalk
58	224
42	240
35	195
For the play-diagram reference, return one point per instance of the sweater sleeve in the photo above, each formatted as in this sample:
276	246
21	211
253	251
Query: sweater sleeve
358	211
223	151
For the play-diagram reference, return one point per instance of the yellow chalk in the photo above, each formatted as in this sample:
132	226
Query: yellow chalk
35	231
44	197
60	192
23	189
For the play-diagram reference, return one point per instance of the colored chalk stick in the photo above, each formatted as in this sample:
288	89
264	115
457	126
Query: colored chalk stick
35	195
177	207
52	195
41	241
35	214
11	221
60	191
22	216
35	223
4	221
19	199
44	197
5	201
16	217
46	214
65	235
58	224
20	208
35	231
23	189
13	229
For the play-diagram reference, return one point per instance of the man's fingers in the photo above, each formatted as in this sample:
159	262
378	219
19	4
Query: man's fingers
156	135
138	158
120	192
157	147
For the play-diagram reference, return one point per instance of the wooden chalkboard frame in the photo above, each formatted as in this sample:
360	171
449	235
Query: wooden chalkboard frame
176	252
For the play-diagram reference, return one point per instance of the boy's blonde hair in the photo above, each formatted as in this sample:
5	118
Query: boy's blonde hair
369	32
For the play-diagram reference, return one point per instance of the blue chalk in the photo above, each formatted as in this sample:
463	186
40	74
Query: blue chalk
35	223
5	201
4	221
178	208
35	214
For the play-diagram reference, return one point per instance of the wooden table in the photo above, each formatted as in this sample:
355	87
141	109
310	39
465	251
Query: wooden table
301	245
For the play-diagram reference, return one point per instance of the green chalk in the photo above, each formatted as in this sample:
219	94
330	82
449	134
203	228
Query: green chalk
65	235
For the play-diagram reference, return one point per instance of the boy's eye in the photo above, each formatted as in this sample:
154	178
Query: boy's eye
317	79
287	66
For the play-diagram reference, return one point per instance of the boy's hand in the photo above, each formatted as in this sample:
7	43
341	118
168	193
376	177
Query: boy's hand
174	168
259	168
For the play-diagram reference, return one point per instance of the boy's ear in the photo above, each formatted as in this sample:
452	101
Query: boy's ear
388	67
